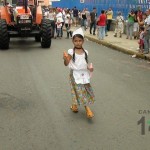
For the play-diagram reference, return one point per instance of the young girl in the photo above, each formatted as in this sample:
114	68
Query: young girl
141	40
77	61
59	26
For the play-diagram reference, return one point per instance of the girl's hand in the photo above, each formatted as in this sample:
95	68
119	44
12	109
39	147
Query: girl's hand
90	67
65	56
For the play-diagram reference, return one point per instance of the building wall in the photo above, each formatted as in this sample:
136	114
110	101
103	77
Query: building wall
117	5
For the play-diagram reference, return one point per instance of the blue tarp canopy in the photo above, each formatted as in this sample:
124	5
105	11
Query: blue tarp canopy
117	5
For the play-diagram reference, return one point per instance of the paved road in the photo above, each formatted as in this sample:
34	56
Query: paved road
35	100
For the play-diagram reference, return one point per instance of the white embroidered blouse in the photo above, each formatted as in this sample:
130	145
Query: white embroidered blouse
79	67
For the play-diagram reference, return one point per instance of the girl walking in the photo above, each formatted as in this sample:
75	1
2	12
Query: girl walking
77	60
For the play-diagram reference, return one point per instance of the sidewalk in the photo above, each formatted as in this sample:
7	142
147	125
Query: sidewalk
120	44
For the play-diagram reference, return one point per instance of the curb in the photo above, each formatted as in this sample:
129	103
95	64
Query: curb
118	48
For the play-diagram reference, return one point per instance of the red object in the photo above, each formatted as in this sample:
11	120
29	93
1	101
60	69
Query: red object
102	20
59	9
141	42
140	15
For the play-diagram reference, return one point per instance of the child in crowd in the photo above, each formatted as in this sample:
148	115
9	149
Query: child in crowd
59	28
141	40
77	60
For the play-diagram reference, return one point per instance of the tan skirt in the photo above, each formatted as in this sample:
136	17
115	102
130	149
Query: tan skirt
82	94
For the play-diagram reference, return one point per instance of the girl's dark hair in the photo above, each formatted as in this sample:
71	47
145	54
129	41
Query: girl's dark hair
73	57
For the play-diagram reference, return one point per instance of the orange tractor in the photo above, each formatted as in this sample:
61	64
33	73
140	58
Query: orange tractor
24	21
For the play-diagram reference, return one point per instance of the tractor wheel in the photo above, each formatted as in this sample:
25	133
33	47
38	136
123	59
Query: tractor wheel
52	28
52	32
4	37
38	38
46	34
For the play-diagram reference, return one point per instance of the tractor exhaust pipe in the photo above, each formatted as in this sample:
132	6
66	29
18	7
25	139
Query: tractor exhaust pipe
26	4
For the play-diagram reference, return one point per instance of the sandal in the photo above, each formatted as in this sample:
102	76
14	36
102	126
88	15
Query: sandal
89	113
74	108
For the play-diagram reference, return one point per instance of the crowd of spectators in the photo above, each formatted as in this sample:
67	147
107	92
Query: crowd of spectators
137	23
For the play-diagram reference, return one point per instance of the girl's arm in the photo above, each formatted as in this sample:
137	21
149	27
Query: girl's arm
66	58
90	67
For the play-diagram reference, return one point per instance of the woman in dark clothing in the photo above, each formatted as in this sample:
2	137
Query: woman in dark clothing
84	19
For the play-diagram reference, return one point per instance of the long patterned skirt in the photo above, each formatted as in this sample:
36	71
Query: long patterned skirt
82	94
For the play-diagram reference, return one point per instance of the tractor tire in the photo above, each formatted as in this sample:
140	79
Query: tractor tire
38	38
52	28
4	37
46	34
52	32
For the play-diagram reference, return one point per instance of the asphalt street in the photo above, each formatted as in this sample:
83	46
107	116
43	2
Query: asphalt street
35	100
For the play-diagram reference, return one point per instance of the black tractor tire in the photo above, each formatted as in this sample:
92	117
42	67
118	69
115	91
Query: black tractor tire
46	34
38	38
52	28
4	36
52	32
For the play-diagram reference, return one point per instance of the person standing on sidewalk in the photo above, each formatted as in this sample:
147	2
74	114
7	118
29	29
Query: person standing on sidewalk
130	23
77	61
136	26
79	17
142	21
93	16
75	16
84	19
88	17
68	22
119	25
101	22
109	18
147	33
